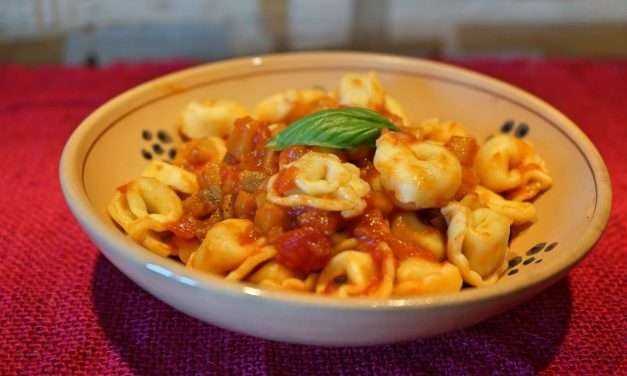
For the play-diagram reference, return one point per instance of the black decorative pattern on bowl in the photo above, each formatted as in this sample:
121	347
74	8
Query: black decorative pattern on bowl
532	256
521	130
158	145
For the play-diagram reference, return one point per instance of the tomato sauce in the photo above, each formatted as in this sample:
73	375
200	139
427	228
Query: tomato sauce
185	228
285	180
373	229
247	237
303	249
229	178
464	148
323	221
291	154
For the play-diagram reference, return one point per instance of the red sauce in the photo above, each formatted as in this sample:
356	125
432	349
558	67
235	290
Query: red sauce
464	148
284	182
240	141
327	222
247	143
403	250
291	154
377	255
368	172
261	159
247	237
229	176
262	135
380	201
230	159
361	156
304	249
209	175
373	228
269	216
375	283
469	182
245	205
274	233
185	228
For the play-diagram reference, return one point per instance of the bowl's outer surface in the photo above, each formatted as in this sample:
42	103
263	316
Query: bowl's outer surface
105	152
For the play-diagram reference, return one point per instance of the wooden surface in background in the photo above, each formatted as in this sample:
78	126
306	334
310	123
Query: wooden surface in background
598	40
32	52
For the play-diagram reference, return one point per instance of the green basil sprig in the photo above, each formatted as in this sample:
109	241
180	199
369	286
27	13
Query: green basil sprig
343	128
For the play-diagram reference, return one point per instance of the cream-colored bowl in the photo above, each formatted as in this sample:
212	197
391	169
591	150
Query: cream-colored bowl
111	146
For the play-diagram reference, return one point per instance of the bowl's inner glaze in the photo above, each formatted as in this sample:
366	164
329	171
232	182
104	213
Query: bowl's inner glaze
145	127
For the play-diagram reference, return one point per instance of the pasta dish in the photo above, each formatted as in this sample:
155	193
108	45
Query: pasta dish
334	193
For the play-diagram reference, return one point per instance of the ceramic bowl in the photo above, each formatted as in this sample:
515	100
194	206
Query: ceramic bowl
112	145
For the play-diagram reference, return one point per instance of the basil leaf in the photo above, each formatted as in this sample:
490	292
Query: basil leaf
342	128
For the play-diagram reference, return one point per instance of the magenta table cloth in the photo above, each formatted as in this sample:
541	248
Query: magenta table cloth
64	309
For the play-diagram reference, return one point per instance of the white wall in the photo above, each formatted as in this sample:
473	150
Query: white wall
213	29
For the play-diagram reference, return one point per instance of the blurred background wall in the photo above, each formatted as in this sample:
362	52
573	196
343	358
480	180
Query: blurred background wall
100	32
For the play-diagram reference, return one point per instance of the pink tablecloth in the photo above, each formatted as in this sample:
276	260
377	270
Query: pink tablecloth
64	309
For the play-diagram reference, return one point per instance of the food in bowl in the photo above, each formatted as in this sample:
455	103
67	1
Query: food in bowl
334	193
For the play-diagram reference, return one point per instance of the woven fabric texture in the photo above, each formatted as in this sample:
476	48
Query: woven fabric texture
64	309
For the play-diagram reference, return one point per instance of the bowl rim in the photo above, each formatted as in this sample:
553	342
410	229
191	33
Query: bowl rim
109	240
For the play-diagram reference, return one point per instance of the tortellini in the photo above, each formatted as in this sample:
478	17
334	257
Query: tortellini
280	107
365	90
274	275
185	247
231	248
143	208
437	131
417	276
322	181
477	242
196	153
173	176
341	242
361	90
505	163
392	106
519	212
407	227
420	174
210	118
354	273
